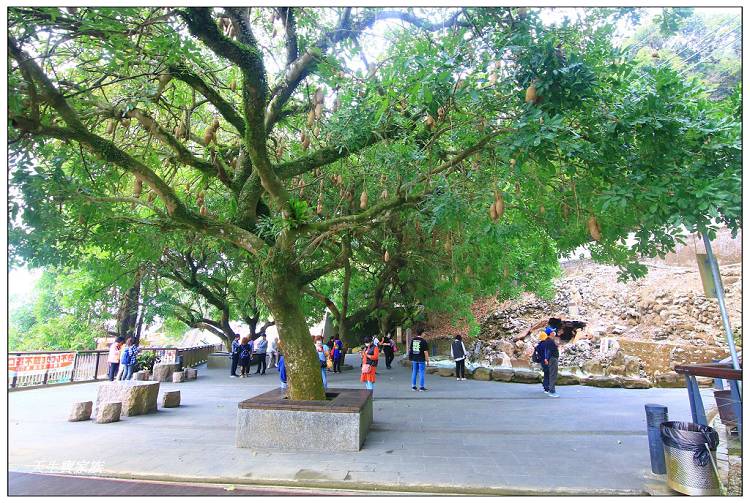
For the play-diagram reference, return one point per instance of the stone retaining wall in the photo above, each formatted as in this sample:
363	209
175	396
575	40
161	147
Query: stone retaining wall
663	356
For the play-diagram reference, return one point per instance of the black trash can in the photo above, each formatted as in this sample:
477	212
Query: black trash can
690	464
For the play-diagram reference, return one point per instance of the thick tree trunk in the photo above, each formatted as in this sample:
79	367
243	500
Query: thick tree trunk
283	297
127	315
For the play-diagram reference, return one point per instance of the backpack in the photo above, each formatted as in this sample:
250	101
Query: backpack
538	355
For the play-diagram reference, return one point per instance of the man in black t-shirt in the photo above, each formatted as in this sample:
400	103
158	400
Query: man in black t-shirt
420	357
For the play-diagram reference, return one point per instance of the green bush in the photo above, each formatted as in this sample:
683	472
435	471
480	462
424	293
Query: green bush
145	360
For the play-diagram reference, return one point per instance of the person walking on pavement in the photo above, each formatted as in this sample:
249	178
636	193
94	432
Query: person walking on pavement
260	349
338	354
370	355
235	356
538	357
419	356
387	345
458	353
551	354
323	353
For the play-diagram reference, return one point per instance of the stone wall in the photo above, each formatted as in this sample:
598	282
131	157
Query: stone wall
663	356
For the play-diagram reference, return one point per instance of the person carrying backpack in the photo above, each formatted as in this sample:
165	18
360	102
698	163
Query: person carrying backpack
458	353
538	357
387	345
551	354
419	355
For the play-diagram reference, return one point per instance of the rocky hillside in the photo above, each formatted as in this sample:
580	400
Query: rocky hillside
667	305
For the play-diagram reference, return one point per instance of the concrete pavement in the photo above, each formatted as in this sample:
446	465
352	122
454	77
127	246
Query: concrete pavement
471	437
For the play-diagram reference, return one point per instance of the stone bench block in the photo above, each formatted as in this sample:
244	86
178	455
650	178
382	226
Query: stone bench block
108	412
482	374
178	377
219	361
191	374
567	380
170	399
526	376
142	375
270	421
502	375
81	411
137	397
163	371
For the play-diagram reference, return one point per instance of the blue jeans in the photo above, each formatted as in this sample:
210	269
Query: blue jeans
325	380
128	374
417	367
369	385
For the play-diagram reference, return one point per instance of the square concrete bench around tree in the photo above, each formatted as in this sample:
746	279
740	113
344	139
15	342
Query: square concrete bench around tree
270	421
178	376
170	399
137	397
108	412
81	411
219	361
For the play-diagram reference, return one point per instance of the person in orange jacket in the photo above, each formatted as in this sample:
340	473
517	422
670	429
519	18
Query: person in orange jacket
370	356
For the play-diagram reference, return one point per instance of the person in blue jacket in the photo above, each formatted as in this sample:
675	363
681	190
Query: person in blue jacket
282	371
235	356
549	364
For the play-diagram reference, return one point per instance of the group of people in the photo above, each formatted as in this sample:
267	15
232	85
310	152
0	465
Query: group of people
121	361
246	350
331	356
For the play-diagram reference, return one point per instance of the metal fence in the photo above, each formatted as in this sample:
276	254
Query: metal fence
44	368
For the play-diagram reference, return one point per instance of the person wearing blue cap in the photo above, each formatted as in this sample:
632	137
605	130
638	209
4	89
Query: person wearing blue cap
549	362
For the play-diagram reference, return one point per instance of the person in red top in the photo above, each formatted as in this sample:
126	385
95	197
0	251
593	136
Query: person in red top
370	356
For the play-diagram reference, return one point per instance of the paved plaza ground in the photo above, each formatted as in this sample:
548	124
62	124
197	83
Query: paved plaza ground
458	437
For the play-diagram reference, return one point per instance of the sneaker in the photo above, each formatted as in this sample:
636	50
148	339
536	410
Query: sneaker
463	378
414	388
458	378
554	395
234	375
422	389
546	392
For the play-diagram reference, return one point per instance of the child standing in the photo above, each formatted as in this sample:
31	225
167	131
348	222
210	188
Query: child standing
282	371
124	359
323	353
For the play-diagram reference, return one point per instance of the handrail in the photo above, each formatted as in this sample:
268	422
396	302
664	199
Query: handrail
715	370
88	365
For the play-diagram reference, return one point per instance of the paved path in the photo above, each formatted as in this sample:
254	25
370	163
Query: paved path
37	484
468	436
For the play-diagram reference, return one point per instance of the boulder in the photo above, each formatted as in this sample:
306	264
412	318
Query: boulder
191	374
81	411
163	371
503	375
632	366
432	370
567	380
178	376
141	375
108	412
446	372
635	383
601	381
616	370
593	367
136	397
482	374
170	399
669	380
527	376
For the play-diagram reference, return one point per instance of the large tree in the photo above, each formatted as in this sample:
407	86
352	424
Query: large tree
274	132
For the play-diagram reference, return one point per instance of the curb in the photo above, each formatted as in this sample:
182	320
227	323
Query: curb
444	490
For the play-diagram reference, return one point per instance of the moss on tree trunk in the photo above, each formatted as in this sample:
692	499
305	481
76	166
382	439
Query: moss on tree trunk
282	295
